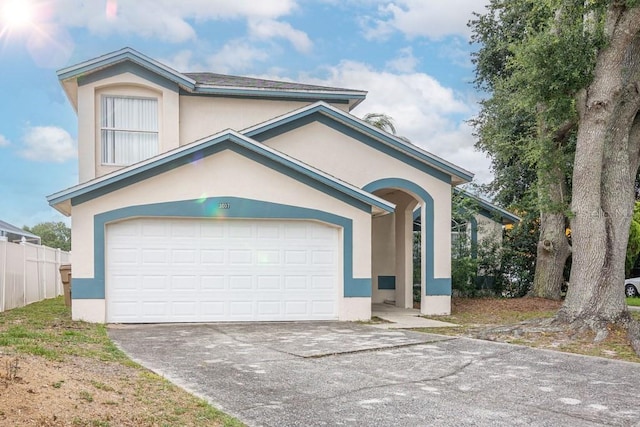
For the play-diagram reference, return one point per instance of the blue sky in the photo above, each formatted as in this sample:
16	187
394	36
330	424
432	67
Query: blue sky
412	56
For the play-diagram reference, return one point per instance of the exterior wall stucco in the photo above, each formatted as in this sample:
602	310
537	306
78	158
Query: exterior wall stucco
354	162
201	116
126	84
383	256
488	229
223	174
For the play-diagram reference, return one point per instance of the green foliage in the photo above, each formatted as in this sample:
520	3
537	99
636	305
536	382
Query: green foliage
518	258
464	265
633	246
381	121
53	234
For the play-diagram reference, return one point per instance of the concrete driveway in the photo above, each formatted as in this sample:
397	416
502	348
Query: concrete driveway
332	374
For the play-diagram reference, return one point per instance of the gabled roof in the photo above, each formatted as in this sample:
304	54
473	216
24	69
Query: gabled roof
280	124
490	210
8	229
229	139
206	83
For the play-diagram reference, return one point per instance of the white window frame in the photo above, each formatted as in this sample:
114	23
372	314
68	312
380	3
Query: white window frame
109	154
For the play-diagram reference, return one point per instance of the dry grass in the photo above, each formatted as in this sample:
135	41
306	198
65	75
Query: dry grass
491	318
57	372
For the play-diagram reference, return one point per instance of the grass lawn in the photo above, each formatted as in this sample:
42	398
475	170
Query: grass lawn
633	301
59	372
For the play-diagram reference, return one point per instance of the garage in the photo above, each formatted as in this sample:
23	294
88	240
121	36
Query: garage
211	270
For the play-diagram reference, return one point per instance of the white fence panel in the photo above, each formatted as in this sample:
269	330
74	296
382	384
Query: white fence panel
29	273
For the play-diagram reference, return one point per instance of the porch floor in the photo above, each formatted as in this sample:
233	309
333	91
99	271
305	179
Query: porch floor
403	318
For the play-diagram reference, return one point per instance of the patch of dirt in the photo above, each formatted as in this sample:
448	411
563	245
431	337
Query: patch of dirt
528	321
86	392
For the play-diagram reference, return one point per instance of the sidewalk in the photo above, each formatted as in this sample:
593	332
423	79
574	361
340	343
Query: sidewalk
403	318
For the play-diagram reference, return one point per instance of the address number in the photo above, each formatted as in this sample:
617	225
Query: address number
224	205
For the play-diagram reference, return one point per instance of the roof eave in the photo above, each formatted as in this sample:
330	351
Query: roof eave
458	175
61	200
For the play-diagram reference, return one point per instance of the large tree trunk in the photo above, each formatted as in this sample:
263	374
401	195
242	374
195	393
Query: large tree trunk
606	161
553	247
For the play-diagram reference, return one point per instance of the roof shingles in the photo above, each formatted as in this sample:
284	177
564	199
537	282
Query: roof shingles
223	80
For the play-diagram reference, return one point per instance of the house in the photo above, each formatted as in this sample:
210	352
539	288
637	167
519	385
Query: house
206	197
12	233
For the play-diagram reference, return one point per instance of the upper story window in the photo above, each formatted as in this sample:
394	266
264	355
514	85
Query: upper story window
129	129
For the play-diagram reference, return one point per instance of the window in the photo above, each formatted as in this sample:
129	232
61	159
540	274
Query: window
459	238
129	129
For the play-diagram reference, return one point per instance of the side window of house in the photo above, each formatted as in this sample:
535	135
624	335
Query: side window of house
458	233
129	129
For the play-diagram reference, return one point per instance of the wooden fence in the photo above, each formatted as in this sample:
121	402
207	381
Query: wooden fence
29	273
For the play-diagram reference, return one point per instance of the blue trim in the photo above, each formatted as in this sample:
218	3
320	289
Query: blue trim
83	69
128	67
387	282
489	210
440	286
355	128
474	237
433	286
94	288
126	54
238	144
308	96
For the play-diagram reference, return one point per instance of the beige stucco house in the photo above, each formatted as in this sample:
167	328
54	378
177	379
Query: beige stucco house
206	197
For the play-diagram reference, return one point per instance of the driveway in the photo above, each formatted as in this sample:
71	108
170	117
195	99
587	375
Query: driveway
332	374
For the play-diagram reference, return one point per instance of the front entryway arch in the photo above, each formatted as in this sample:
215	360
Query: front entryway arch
407	195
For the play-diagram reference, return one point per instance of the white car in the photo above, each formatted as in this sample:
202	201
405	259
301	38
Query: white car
631	287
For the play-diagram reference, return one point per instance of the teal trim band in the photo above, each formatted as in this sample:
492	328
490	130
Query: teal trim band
358	288
433	286
240	145
387	282
440	286
128	67
94	288
358	136
356	128
474	237
87	288
126	54
278	95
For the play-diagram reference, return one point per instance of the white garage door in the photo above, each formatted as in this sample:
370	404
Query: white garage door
208	270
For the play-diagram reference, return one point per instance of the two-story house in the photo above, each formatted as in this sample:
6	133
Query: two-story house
207	197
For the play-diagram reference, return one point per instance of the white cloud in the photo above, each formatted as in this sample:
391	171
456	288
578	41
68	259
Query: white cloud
422	18
236	56
269	29
48	144
168	20
4	141
405	62
429	114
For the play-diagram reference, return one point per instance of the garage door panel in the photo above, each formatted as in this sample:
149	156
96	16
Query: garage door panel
240	257
212	256
195	270
155	256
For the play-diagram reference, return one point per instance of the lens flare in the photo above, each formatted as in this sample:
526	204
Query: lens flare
16	14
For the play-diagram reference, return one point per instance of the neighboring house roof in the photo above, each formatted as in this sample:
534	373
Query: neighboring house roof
485	208
228	139
454	174
8	230
489	209
206	83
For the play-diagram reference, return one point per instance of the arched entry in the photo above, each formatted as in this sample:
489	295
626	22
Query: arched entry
392	240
